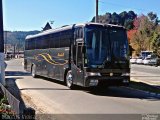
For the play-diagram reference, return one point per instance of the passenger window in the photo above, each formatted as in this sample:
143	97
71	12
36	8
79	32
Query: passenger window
79	33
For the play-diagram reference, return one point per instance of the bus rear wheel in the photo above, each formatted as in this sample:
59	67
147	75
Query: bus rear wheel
69	79
34	71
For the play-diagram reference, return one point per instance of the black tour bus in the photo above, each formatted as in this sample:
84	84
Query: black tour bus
89	54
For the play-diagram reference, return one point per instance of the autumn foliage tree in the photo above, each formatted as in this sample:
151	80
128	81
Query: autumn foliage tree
147	33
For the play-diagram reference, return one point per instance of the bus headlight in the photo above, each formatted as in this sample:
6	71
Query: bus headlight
125	74
93	83
93	74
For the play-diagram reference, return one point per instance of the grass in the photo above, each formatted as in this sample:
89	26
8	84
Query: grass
144	87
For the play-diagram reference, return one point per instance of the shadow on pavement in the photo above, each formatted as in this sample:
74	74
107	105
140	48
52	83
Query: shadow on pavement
122	92
16	73
119	92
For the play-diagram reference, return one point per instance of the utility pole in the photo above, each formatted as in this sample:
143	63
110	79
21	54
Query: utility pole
2	66
5	43
96	18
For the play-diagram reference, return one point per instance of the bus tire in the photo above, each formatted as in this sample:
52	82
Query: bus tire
33	71
69	79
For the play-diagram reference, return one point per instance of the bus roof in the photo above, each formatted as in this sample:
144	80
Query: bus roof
67	27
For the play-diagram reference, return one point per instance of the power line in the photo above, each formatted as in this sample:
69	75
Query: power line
122	6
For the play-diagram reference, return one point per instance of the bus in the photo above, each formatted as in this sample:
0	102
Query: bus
145	54
88	54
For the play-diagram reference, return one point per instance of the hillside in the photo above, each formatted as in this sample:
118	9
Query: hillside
16	38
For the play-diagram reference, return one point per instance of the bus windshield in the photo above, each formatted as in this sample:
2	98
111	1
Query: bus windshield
98	46
119	44
105	45
145	54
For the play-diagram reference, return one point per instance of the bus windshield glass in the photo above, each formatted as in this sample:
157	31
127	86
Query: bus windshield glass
145	54
119	44
105	45
98	46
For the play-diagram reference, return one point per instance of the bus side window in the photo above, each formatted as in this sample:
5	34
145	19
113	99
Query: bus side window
79	33
79	56
44	42
65	39
52	41
38	43
74	54
26	45
56	40
31	44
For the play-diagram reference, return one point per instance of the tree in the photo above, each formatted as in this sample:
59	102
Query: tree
127	19
108	17
131	33
137	21
131	15
138	41
115	18
123	16
153	17
156	43
129	24
146	37
124	19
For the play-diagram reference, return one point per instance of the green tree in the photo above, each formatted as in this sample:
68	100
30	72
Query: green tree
146	28
124	19
156	43
127	19
115	18
129	24
154	18
123	16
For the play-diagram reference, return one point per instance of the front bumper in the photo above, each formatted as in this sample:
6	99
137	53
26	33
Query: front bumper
108	80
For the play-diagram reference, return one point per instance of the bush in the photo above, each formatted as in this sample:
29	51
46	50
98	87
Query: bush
5	109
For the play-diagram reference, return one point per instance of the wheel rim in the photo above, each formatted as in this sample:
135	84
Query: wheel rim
69	79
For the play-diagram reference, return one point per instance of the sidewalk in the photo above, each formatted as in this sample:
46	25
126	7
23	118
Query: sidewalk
147	78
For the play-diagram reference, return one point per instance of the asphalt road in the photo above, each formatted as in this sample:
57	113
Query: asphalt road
54	98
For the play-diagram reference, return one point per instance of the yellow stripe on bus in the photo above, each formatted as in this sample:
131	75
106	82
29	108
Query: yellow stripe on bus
50	60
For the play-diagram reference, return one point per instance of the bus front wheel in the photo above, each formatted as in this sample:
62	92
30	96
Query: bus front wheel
69	79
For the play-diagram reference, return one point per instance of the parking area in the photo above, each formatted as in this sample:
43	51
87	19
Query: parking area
151	61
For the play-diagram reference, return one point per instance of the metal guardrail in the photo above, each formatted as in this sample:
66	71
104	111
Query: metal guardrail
13	102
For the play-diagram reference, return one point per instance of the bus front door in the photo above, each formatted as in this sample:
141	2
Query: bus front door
78	67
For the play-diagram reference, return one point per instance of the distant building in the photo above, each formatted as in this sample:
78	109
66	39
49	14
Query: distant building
12	54
47	27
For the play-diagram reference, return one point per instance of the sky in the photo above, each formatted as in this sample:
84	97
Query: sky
26	15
